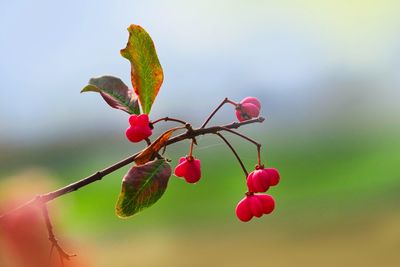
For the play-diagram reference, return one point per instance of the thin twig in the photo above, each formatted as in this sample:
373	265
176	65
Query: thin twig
148	141
258	145
191	148
54	242
235	153
168	119
241	135
225	101
259	155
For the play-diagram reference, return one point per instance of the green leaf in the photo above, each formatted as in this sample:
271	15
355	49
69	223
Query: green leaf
115	93
146	71
142	186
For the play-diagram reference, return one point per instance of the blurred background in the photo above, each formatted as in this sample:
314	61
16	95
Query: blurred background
327	74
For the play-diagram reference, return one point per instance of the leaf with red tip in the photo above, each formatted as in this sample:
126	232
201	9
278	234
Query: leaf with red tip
142	186
151	151
115	93
146	71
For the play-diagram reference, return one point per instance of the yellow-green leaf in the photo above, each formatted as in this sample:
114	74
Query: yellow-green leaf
146	71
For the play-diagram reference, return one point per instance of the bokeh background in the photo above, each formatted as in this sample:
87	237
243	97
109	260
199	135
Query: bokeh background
327	73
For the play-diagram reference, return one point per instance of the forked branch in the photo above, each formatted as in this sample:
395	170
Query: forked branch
54	242
190	134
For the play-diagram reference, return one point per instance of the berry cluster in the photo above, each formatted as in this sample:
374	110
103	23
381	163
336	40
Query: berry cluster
258	181
261	179
254	205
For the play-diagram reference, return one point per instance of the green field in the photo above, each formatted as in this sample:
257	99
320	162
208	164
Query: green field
337	203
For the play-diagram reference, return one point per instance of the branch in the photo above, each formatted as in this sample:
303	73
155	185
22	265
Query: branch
54	242
214	111
223	102
168	119
45	198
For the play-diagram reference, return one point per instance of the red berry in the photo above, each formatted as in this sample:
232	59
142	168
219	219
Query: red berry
258	181
243	210
274	176
248	108
261	179
189	168
267	203
254	205
139	128
252	100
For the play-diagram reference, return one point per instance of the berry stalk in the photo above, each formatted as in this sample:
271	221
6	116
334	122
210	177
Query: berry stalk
246	173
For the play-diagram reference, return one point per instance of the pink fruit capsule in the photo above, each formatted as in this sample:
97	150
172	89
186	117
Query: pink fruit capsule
189	168
248	108
139	128
243	210
274	176
258	181
252	100
256	207
267	203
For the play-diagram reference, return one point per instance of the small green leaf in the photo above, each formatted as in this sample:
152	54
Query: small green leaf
146	71
115	93
142	186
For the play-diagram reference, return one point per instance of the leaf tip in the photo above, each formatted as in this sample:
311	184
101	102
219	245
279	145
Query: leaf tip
134	27
120	214
89	88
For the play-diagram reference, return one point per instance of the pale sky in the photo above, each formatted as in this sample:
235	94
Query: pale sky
208	49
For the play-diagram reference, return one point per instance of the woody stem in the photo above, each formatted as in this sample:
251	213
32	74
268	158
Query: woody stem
45	198
54	242
169	119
